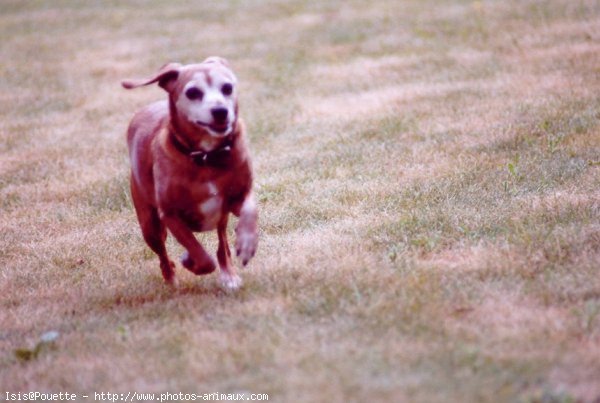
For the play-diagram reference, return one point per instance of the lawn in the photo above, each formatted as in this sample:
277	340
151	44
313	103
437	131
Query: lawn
428	175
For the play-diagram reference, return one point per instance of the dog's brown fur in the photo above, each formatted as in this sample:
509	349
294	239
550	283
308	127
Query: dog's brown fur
172	190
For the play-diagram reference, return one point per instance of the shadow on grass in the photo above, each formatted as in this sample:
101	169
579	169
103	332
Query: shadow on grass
156	291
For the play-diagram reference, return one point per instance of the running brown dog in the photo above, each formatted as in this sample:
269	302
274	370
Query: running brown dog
191	167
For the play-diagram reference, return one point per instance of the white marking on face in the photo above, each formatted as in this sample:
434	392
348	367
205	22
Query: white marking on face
215	88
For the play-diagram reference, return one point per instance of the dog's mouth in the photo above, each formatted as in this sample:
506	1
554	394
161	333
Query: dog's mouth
215	127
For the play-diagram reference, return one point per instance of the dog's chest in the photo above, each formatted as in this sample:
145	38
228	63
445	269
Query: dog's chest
210	207
201	197
202	204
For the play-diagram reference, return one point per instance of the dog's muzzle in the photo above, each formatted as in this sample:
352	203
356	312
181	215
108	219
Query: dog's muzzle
220	124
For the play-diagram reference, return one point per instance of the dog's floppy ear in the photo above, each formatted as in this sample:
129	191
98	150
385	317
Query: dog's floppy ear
164	77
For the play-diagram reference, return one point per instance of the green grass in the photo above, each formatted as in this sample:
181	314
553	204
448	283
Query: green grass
428	178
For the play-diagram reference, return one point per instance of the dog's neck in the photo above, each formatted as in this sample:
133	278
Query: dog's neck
218	157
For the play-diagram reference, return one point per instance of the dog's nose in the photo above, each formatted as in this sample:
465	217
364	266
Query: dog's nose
219	114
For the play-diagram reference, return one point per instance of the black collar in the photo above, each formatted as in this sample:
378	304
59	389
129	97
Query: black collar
217	158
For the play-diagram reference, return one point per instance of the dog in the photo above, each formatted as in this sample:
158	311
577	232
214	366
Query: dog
191	168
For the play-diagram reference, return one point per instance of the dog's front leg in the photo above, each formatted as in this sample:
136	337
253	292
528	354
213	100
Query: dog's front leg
229	278
247	229
196	259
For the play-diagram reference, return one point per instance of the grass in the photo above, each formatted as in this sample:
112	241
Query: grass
428	178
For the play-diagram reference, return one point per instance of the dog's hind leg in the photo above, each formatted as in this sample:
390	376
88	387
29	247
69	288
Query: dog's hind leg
195	259
154	232
229	278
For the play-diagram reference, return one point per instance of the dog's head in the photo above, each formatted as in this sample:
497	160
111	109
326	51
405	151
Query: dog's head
202	96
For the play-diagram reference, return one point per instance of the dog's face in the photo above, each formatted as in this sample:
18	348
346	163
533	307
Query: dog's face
204	95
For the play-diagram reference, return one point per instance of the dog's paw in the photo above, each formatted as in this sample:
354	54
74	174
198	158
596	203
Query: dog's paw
245	245
172	283
167	268
206	267
186	261
230	282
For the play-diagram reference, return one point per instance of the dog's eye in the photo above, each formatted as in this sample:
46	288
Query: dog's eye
194	94
227	89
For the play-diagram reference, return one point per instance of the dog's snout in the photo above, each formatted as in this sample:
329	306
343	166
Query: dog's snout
219	114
